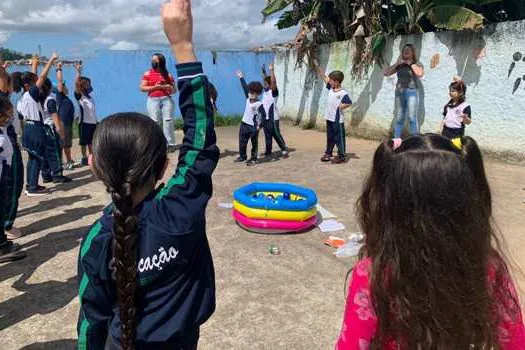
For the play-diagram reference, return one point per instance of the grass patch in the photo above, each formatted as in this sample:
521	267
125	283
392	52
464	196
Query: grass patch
220	121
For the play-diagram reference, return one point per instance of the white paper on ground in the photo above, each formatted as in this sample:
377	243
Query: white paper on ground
325	213
226	205
331	226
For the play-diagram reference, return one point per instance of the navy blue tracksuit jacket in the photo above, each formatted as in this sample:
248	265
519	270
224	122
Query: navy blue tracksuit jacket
176	281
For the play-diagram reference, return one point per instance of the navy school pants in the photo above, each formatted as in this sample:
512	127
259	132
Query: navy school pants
247	133
33	140
52	165
335	136
273	132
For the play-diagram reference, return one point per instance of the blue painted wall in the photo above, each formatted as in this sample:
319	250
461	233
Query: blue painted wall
116	76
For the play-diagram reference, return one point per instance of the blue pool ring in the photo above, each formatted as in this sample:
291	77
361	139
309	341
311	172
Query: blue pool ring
278	197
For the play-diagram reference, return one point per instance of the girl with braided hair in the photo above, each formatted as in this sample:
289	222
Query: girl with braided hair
146	277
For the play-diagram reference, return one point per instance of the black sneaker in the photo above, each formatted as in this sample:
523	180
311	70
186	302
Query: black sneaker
40	188
46	181
84	161
62	180
10	251
240	160
252	162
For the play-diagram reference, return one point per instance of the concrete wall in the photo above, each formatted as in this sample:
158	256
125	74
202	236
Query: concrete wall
483	60
116	77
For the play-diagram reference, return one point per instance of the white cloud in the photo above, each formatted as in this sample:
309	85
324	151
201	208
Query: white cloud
4	36
219	24
124	45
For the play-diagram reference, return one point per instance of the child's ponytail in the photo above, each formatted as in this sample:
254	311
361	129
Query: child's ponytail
125	250
474	159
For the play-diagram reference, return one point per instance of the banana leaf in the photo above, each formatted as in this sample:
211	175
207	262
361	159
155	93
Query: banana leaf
276	6
455	18
288	19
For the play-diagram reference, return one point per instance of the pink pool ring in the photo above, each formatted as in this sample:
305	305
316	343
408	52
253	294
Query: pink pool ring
272	226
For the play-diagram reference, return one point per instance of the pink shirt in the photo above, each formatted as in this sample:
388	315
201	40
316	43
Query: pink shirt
360	321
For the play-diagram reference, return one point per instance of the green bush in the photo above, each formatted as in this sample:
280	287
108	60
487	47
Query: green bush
220	121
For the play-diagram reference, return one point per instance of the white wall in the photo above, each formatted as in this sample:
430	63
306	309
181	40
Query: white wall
498	114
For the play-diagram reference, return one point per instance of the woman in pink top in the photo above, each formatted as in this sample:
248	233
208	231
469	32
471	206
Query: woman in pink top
160	85
432	275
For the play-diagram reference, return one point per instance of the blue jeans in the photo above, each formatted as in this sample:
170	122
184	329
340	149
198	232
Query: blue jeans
158	106
406	105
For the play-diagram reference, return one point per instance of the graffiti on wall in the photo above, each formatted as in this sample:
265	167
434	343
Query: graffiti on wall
517	57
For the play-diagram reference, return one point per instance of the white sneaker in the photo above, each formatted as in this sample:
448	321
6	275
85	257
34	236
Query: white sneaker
36	193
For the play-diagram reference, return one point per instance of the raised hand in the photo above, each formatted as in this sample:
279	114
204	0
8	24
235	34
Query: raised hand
177	20
54	57
59	65
240	74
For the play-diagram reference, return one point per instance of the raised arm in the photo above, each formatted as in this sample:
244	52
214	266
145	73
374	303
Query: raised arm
273	79
190	188
78	74
60	78
35	60
320	72
43	75
240	74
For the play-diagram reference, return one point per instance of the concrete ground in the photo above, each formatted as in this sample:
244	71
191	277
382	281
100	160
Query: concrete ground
291	301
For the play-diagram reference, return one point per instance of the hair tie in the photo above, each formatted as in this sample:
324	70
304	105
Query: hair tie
397	143
457	143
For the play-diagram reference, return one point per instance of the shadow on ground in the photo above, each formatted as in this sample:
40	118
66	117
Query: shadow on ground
39	298
67	216
63	344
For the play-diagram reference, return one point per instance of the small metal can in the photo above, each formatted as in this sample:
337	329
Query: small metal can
274	250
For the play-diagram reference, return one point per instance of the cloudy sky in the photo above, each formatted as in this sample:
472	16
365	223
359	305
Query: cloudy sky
76	27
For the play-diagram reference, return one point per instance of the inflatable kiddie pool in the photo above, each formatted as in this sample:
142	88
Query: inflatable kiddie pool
274	208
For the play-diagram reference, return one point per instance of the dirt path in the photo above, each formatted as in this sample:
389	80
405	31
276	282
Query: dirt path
291	301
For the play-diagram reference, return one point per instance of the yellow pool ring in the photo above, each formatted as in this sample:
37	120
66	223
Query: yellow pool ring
274	214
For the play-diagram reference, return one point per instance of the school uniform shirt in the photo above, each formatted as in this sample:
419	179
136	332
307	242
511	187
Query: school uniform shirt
452	115
15	122
334	100
50	108
30	105
6	149
152	77
253	113
270	104
175	274
87	108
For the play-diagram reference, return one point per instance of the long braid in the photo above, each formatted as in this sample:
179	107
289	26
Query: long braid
125	235
129	155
